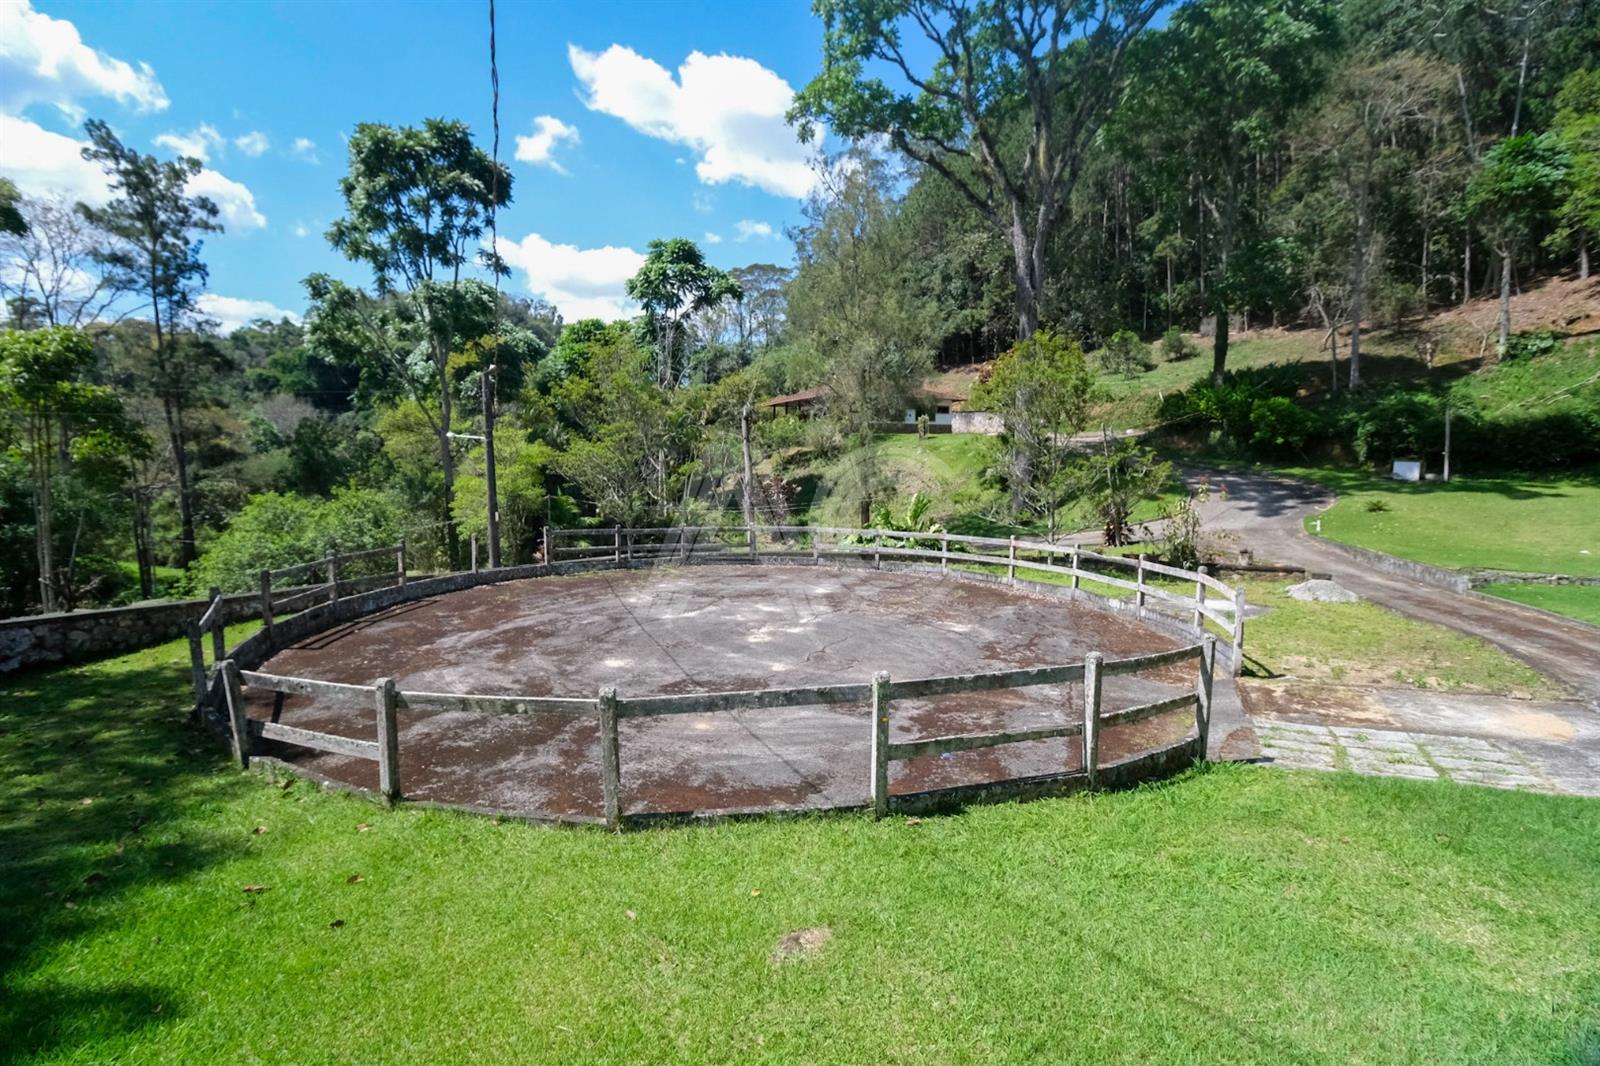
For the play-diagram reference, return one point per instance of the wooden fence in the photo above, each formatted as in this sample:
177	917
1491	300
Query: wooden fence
1022	560
611	709
337	583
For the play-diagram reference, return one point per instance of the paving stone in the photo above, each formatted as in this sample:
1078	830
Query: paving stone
1402	770
1482	765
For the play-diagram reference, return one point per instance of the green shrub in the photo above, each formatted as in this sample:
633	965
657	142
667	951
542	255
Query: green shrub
1279	426
1532	344
1126	354
276	530
1176	346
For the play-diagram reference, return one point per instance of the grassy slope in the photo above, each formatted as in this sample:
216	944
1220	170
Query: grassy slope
1237	914
1364	643
1536	524
1575	601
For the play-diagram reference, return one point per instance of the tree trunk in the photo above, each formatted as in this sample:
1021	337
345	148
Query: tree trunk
1505	302
1583	258
43	534
749	467
1029	275
488	468
142	553
1466	269
187	551
1219	344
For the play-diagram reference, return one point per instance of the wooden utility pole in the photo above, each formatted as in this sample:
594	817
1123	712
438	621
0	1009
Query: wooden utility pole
749	467
1447	413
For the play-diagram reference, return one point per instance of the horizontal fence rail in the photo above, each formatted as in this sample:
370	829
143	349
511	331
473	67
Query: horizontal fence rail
223	689
1019	556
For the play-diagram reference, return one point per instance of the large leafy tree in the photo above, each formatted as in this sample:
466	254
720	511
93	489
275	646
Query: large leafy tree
1042	389
417	204
44	385
674	284
1211	94
1514	193
156	228
51	273
1577	123
1003	98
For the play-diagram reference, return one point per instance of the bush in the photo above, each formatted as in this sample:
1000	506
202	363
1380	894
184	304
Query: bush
1531	344
1396	425
1279	425
275	530
1126	354
1176	346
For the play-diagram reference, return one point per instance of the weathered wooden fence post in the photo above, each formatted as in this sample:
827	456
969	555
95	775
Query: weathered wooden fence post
472	546
1200	601
388	741
547	559
219	646
1091	716
880	744
266	603
333	576
1076	567
877	553
400	563
816	547
610	759
630	546
750	539
197	663
616	544
1011	564
944	553
1138	593
1238	632
238	724
1202	691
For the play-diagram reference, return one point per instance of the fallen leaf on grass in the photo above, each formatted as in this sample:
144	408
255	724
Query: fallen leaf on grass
86	800
255	888
337	923
913	821
258	830
632	916
354	879
755	892
71	906
363	827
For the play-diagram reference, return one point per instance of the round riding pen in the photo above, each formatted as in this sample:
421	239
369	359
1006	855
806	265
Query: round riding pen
669	673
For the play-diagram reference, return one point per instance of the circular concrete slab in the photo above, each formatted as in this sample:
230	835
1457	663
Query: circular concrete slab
714	629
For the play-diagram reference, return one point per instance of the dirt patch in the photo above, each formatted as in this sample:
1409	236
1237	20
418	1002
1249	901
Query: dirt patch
801	944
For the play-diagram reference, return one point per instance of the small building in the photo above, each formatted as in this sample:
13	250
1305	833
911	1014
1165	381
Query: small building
802	403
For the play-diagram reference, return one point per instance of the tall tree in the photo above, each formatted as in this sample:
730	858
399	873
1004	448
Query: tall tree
417	203
1577	123
1363	138
674	284
1007	108
43	383
1210	95
50	273
156	228
1514	193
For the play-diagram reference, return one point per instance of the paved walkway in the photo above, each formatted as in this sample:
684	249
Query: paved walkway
1266	514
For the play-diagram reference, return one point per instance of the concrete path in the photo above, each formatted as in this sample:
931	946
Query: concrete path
1266	513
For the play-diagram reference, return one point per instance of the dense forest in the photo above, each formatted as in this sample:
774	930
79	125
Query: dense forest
1061	178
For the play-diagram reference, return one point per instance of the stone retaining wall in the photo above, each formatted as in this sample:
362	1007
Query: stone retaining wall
75	636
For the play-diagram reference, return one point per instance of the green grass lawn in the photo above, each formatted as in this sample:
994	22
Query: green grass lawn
1545	525
1575	601
161	906
1362	643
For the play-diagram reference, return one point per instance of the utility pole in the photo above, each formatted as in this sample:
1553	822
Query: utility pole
488	456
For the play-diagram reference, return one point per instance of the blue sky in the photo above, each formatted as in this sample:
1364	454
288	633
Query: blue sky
638	120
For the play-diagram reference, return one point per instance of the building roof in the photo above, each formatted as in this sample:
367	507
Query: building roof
803	396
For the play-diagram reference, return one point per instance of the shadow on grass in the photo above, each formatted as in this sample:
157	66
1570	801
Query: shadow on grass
98	775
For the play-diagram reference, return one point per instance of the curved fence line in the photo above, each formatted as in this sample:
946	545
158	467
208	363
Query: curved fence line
222	693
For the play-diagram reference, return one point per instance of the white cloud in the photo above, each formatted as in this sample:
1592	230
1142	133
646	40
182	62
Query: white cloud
713	238
305	148
301	230
728	109
581	282
43	60
236	203
43	163
252	144
232	312
199	142
548	134
751	230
